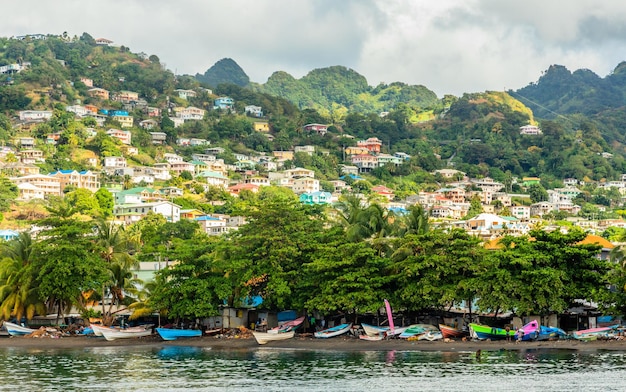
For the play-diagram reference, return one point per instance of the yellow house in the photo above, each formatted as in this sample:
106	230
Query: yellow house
283	155
261	126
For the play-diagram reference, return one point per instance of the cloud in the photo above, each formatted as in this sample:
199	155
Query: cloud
450	46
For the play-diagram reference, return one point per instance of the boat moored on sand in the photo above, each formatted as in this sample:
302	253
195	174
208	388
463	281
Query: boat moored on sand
333	331
266	337
173	334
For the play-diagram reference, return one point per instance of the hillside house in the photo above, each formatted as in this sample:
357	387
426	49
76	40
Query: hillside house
49	186
254	111
125	120
114	162
84	179
223	103
320	129
158	137
238	188
213	178
35	115
185	94
148	124
125	96
98	92
261	126
365	162
316	198
372	144
31	156
122	135
132	213
530	130
283	155
189	113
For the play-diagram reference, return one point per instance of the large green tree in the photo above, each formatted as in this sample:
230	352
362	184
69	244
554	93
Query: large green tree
265	256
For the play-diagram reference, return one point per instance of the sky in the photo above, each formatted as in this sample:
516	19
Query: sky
449	46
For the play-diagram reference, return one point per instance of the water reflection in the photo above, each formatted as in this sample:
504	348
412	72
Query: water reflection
190	368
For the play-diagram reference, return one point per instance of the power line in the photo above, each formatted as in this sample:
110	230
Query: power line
543	107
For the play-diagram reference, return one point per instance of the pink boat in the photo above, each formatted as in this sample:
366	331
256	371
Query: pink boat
288	325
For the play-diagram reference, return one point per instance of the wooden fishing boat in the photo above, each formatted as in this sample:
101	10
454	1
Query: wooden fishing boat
98	329
484	332
593	333
111	334
431	336
372	338
288	325
449	332
546	333
173	334
17	330
265	337
417	329
374	330
334	331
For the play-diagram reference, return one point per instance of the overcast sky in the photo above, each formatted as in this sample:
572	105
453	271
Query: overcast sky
449	46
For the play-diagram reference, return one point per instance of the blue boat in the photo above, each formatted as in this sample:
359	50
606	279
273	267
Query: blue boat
333	331
546	333
173	334
17	330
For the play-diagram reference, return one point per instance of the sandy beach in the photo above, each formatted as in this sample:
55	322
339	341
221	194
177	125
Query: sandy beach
309	343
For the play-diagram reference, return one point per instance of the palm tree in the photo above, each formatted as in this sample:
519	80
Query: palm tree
114	250
19	296
142	306
363	220
415	222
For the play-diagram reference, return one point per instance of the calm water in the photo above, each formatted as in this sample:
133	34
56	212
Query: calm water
200	369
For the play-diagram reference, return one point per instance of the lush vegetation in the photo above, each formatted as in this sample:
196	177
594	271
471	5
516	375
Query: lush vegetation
343	261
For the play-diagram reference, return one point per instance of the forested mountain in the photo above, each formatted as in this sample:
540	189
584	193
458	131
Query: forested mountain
559	92
225	71
340	88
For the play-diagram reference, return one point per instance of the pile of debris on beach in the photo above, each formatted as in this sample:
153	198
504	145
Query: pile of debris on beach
47	332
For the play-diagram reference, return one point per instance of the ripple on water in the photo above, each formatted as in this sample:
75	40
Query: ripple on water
191	368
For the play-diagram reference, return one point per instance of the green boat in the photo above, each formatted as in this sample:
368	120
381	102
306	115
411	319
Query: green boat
486	332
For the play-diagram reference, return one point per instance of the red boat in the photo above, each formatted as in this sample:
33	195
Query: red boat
451	332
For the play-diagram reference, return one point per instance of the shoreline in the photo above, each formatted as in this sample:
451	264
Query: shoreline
342	344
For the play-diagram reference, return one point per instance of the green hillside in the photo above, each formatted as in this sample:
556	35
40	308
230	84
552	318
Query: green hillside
478	133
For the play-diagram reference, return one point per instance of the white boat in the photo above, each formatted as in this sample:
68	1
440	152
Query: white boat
99	330
373	330
372	338
114	334
17	330
334	331
264	337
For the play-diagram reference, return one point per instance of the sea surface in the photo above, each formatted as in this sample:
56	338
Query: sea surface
265	369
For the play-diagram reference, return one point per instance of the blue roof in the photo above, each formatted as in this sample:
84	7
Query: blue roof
206	218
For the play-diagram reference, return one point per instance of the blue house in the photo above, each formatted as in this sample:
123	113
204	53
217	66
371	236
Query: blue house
315	198
8	235
223	103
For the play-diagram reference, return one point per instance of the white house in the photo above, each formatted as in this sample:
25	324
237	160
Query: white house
130	213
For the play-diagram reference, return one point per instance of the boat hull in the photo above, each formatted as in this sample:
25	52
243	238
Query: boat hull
417	329
173	334
449	332
266	337
113	334
484	332
17	330
334	331
373	330
372	338
289	325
